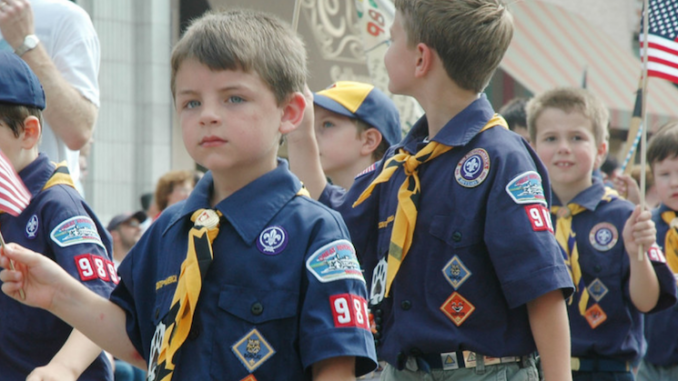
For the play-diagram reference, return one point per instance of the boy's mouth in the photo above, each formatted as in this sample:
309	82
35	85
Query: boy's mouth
211	141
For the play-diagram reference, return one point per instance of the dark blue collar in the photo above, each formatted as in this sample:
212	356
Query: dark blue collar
36	174
589	198
248	210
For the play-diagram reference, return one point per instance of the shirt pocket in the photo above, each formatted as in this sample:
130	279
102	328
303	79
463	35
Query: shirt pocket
265	318
455	231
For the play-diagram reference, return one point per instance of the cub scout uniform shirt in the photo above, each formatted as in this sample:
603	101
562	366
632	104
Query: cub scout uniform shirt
611	327
60	225
482	247
284	289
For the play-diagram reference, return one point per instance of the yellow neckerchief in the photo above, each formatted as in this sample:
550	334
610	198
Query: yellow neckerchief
671	240
408	197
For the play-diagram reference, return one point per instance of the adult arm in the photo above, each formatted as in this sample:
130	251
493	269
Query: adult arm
70	115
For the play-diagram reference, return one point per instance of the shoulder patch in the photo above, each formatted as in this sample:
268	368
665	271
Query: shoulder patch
526	188
473	168
32	227
334	261
75	230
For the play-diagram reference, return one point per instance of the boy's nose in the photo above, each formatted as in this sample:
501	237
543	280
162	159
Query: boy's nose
209	117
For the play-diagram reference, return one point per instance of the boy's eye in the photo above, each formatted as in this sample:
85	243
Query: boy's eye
549	139
327	124
192	104
235	99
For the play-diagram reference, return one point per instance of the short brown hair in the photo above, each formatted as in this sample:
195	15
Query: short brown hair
570	99
14	115
248	41
664	144
166	184
469	36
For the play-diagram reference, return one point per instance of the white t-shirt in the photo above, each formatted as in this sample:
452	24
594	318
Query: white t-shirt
66	32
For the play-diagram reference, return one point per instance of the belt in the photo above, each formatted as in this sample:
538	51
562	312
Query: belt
460	359
581	364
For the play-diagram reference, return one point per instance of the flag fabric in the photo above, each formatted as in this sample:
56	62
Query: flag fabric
14	197
662	47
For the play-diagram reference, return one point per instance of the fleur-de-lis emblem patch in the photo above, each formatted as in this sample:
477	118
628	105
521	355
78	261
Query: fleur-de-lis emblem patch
272	240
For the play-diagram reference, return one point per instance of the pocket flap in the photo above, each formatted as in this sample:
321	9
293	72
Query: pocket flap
257	305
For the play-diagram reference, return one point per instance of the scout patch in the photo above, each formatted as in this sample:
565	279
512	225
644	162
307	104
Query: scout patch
457	308
526	188
595	316
597	289
335	261
349	310
603	236
539	217
32	227
449	361
473	168
378	287
272	240
367	170
655	254
253	350
455	272
156	344
470	359
92	266
249	378
75	230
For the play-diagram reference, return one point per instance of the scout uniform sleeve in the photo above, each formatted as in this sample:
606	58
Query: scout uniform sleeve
334	318
666	278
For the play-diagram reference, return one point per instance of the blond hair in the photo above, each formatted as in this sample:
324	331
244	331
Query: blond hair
249	41
569	99
469	36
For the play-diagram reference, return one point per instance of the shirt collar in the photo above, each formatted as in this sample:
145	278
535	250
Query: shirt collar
249	209
589	198
458	131
36	174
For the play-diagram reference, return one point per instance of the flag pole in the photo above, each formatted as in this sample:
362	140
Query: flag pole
295	16
643	147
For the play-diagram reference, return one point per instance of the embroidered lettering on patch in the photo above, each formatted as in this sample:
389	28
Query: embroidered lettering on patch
272	240
32	227
539	217
455	272
655	254
595	316
526	188
349	310
76	230
603	236
92	267
335	261
378	288
473	168
457	308
597	289
252	350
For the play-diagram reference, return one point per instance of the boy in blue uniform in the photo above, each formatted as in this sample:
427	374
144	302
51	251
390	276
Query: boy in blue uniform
60	225
661	329
478	285
247	279
601	235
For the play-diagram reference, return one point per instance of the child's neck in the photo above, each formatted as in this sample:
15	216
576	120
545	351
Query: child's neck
346	176
442	100
227	182
567	192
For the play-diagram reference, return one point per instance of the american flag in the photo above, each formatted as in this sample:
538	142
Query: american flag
14	197
662	48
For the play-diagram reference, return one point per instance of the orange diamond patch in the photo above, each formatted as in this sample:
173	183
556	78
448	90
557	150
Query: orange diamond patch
249	378
457	308
595	316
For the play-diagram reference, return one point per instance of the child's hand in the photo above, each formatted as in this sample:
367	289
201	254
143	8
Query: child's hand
627	188
639	232
51	372
35	274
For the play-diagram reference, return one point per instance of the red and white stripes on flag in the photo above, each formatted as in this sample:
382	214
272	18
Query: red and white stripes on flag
14	197
662	48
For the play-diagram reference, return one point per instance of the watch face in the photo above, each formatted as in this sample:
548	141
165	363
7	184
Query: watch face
31	41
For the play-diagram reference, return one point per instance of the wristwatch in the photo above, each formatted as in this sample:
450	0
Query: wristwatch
30	42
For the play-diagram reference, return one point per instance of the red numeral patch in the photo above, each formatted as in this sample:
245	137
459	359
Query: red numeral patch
112	271
655	254
539	217
349	311
93	267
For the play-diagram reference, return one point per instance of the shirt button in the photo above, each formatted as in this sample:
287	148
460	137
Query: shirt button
377	312
194	333
257	309
405	305
597	268
456	236
378	320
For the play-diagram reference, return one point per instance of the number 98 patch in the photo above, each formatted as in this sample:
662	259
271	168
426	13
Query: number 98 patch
349	310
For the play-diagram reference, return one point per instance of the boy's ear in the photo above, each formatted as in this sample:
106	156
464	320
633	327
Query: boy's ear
293	112
425	58
371	139
601	154
30	137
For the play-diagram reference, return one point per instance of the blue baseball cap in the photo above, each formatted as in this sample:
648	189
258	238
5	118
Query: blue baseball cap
364	102
18	84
